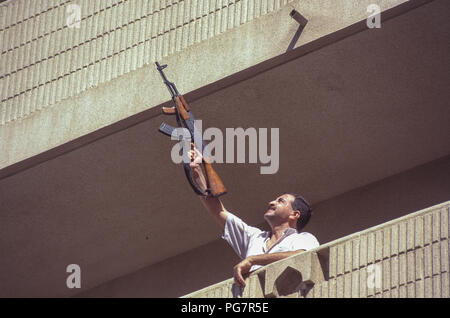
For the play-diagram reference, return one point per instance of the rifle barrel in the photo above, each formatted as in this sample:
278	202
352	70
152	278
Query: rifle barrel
171	86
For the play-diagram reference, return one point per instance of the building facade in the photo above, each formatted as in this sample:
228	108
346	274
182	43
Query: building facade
357	90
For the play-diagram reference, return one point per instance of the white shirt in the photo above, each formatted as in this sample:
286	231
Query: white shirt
248	240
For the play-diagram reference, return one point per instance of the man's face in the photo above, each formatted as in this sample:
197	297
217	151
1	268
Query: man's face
280	209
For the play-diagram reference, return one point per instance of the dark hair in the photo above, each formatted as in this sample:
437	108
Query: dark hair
304	207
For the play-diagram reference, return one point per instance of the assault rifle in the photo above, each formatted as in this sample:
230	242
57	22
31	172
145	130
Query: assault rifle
186	120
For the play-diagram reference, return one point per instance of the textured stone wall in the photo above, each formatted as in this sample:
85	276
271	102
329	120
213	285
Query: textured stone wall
406	257
44	59
99	74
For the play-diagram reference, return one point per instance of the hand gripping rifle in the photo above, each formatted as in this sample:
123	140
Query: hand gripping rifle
184	115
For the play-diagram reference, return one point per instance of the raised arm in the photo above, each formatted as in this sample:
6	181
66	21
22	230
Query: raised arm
213	205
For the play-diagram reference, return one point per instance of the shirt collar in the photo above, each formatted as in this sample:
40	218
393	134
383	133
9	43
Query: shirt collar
286	232
289	231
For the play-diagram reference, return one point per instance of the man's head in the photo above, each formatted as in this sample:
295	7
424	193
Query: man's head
288	208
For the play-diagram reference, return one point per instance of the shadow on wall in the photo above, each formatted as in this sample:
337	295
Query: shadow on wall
382	201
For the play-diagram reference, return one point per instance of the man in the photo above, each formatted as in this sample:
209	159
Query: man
285	215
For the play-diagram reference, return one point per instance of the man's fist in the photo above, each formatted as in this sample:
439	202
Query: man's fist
242	269
196	157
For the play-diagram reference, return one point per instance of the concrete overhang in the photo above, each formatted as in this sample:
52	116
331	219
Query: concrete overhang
198	70
351	110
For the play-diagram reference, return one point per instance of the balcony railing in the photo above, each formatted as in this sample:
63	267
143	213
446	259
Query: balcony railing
406	257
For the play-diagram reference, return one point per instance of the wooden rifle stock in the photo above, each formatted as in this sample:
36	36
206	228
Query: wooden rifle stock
181	107
185	104
215	184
